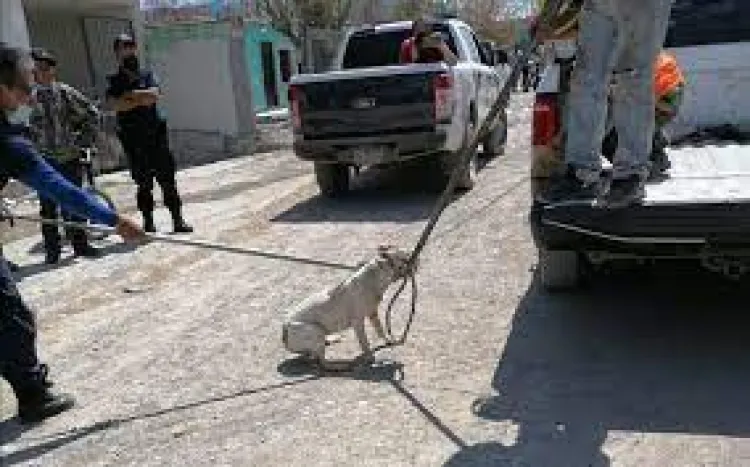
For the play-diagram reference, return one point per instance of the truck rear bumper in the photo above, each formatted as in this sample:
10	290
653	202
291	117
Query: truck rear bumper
399	147
648	230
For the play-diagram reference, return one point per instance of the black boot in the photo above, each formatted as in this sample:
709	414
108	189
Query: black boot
52	256
87	251
148	222
35	400
180	226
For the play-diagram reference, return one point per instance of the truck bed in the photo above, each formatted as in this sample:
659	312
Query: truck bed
707	174
705	202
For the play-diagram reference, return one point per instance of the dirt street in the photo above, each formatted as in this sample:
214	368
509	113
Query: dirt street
183	346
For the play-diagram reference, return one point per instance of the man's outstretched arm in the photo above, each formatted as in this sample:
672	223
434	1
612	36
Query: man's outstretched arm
34	172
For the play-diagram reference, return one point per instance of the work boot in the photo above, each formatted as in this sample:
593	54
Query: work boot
568	187
87	251
180	226
36	402
52	256
660	164
148	222
624	192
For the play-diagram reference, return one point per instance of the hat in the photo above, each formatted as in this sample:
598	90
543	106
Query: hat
123	39
43	55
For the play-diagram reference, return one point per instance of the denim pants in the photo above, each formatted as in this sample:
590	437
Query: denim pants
618	42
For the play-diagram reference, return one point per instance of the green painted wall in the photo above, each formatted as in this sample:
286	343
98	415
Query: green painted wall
255	35
159	38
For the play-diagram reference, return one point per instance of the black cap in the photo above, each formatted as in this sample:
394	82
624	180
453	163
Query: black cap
43	55
123	39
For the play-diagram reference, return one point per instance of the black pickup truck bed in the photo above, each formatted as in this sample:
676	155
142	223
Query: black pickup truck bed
702	209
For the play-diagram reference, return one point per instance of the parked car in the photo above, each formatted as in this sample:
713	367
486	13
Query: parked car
372	111
702	210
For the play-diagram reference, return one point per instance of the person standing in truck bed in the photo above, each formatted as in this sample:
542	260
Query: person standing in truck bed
619	38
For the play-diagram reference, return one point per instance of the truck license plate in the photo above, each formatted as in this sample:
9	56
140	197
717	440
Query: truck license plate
369	155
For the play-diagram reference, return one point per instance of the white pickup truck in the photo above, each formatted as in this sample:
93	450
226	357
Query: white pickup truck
371	110
702	210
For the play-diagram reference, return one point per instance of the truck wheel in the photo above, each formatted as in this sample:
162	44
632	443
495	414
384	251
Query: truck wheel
469	173
559	270
333	179
494	144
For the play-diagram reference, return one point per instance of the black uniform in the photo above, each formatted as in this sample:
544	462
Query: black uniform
19	364
143	133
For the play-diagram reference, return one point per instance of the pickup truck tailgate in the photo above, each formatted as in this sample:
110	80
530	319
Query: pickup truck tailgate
706	197
367	106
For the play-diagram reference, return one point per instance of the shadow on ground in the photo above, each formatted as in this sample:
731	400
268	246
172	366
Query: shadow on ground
29	270
404	193
656	352
296	371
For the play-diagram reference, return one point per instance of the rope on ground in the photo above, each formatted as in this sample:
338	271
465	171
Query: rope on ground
188	242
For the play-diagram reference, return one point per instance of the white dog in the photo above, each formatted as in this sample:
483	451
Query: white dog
345	306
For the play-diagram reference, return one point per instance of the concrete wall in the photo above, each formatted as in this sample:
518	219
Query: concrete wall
255	35
717	82
13	28
208	107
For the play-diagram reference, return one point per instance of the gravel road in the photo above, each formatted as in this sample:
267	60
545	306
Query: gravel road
181	347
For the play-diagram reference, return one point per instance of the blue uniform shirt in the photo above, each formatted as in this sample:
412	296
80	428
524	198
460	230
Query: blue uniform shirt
123	82
20	160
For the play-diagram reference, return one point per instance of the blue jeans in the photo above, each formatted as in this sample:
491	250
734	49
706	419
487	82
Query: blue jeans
620	39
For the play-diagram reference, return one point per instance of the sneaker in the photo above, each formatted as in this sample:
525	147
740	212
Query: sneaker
624	192
568	187
660	164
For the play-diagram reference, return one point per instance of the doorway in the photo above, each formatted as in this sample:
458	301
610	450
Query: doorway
268	63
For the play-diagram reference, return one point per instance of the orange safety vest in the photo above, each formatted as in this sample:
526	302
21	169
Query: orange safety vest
667	75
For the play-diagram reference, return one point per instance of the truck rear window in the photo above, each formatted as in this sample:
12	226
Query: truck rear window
373	48
704	22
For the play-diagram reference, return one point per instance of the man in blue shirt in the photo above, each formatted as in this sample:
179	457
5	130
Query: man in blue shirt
134	94
19	364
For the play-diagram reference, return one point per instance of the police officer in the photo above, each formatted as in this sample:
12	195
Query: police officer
19	363
59	114
143	133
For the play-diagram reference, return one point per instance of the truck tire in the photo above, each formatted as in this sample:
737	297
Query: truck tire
559	270
469	173
494	144
333	179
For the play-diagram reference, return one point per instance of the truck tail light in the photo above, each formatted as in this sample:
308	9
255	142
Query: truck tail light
443	97
546	120
295	103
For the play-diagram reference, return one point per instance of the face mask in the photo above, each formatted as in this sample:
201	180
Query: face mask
20	116
131	63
